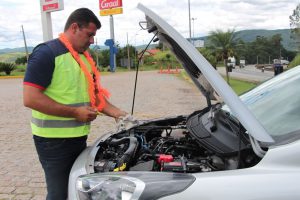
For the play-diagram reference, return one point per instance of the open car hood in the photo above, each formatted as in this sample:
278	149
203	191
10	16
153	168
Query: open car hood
202	73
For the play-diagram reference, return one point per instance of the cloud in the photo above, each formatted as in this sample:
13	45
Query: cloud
209	15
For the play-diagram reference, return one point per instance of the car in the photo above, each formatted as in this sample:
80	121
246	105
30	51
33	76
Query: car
284	62
280	61
242	63
243	147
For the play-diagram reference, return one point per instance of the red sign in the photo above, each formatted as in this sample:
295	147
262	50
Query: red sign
107	4
52	6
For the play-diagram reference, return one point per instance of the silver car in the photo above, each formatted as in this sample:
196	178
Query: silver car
244	147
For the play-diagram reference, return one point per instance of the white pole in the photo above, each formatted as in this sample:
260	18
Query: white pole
46	24
190	20
97	53
128	56
193	29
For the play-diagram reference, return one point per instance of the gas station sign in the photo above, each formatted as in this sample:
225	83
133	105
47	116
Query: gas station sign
110	7
112	11
52	5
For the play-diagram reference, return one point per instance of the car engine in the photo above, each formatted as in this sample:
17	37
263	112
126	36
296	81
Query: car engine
177	144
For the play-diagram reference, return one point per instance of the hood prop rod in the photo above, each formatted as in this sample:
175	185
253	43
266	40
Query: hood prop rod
137	70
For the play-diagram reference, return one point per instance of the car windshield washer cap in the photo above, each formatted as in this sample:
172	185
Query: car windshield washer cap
206	78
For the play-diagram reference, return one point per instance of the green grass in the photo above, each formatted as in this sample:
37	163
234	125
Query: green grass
241	87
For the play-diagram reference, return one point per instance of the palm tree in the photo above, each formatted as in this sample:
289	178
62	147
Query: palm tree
223	43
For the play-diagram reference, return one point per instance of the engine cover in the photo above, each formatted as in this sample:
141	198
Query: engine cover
216	136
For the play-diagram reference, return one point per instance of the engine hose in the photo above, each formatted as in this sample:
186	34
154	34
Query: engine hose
129	153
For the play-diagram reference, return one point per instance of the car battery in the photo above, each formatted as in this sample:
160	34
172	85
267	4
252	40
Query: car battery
175	166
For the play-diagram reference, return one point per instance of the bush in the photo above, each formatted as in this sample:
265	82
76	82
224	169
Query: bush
7	67
21	60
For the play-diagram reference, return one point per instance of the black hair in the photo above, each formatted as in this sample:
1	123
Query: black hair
82	16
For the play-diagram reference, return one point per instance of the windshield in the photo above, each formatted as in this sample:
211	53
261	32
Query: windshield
276	103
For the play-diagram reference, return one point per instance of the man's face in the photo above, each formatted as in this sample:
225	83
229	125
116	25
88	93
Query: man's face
84	37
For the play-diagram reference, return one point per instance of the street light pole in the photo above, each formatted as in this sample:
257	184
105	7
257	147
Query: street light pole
193	29
135	51
128	57
97	53
189	20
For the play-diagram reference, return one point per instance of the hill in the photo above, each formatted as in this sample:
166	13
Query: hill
287	42
14	50
11	54
250	35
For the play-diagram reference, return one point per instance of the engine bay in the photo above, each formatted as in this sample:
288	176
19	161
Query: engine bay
185	144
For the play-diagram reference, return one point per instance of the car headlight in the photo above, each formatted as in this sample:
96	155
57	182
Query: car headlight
131	185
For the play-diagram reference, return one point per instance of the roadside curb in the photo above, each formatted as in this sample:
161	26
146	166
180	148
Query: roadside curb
10	77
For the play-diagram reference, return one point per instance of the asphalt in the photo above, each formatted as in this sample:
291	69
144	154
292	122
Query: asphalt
21	176
248	73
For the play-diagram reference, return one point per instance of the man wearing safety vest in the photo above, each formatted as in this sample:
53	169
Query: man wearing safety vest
62	87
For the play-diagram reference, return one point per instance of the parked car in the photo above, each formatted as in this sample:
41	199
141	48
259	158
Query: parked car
244	147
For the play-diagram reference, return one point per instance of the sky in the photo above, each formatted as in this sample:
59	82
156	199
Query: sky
207	16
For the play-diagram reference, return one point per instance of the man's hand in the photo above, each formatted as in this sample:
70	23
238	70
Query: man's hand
85	114
126	122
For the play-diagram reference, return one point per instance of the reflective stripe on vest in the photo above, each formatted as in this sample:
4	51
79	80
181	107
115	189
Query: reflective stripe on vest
58	123
61	123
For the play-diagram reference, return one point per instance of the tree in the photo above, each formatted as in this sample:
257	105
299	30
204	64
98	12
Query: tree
21	60
104	55
295	24
223	43
208	55
122	53
264	49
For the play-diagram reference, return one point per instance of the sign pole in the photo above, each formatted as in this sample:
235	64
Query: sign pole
48	6
111	7
47	26
112	36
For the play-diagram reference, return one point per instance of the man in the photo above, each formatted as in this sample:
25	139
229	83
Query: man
62	88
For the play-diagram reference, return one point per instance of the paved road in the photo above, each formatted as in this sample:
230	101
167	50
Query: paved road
249	73
21	176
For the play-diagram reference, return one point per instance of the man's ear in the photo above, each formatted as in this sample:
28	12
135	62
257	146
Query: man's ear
74	27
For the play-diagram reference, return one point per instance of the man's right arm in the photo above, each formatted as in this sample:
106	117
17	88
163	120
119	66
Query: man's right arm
38	77
34	98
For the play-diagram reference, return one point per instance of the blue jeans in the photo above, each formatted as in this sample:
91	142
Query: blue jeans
57	156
